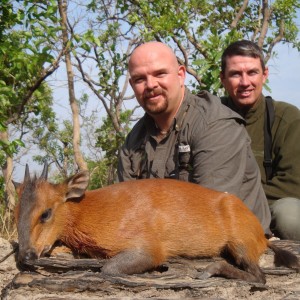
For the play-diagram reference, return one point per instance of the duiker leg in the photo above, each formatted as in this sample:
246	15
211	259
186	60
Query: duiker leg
129	262
242	266
226	270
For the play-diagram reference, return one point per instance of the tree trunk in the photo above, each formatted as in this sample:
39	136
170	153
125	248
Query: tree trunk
7	170
70	74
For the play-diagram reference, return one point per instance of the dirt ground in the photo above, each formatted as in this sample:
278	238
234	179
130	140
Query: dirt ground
177	282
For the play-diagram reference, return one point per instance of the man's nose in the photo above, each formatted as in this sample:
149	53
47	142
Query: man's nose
244	80
151	82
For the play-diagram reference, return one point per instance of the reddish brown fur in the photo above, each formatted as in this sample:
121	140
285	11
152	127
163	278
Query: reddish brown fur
150	219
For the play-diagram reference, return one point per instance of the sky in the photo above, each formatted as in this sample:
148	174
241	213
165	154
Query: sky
284	75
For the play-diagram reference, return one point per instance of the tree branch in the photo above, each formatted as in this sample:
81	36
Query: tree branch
45	73
86	79
266	11
276	40
239	14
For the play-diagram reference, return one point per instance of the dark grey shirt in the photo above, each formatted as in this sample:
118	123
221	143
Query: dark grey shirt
207	144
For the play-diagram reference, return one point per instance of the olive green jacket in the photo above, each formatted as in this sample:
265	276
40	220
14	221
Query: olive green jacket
285	146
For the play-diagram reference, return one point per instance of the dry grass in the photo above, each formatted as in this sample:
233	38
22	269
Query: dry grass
8	228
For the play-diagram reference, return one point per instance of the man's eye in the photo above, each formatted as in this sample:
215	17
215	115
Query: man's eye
235	75
252	73
138	80
161	74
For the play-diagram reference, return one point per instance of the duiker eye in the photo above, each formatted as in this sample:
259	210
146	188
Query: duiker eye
46	215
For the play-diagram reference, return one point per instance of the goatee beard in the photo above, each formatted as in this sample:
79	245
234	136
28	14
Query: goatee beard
156	109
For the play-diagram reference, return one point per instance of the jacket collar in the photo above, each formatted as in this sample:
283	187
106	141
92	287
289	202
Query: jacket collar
253	114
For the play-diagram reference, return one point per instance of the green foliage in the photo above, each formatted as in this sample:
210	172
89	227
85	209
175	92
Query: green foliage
99	171
56	144
202	29
9	148
109	140
2	184
27	40
104	44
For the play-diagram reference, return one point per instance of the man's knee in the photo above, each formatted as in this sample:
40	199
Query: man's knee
286	218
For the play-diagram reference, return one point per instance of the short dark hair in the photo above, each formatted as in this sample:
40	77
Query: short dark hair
242	48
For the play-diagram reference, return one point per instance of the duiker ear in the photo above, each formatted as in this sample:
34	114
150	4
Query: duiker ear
27	175
44	174
77	184
16	184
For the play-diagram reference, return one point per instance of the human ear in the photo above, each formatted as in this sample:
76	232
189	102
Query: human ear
181	73
265	74
222	77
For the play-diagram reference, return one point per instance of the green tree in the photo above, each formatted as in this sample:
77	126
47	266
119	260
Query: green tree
106	45
109	141
101	51
27	56
63	5
28	35
55	142
200	30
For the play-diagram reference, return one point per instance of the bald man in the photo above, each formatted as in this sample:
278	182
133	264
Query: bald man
187	137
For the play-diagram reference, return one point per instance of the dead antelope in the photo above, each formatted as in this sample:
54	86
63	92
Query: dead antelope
139	224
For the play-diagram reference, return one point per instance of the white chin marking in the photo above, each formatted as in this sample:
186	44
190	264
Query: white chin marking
45	250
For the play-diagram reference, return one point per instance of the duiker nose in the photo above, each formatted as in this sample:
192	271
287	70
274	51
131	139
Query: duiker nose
30	255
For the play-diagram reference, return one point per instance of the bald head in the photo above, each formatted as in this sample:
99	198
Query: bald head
151	50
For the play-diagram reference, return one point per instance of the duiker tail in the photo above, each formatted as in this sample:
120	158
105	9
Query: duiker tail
284	258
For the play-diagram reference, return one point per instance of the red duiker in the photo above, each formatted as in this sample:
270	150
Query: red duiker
139	224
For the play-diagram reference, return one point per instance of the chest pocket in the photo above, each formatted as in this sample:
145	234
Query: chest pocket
170	159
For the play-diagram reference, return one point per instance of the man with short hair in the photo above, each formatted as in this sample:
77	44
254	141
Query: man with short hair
187	137
243	74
